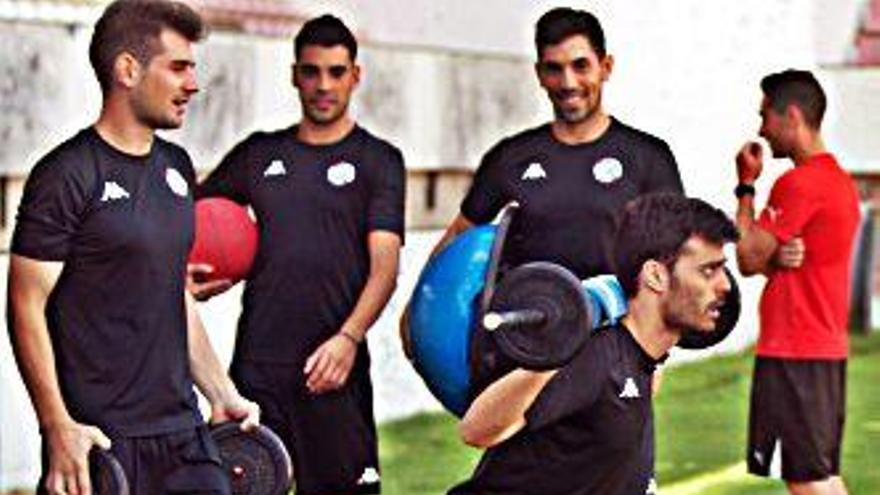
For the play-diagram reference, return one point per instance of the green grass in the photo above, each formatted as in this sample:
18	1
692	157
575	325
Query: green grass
701	418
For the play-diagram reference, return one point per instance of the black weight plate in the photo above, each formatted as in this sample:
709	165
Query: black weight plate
695	339
557	293
107	475
256	461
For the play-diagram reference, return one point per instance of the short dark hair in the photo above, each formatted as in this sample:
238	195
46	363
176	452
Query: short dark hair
325	31
134	26
560	23
656	226
799	88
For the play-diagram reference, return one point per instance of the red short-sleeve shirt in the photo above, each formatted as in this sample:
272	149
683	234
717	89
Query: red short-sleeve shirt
804	312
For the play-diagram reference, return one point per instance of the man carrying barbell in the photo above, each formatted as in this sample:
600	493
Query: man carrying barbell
581	428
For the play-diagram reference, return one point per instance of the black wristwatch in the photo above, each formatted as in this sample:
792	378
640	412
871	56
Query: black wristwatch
744	190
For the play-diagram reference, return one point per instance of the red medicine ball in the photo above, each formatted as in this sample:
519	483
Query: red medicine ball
226	238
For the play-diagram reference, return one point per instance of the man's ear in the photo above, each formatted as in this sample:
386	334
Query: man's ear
127	70
607	64
654	276
356	74
793	114
293	75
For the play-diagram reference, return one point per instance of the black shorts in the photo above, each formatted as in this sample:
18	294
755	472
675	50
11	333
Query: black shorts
800	406
331	437
184	462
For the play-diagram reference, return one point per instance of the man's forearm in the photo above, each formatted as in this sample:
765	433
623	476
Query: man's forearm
207	371
499	411
381	282
755	248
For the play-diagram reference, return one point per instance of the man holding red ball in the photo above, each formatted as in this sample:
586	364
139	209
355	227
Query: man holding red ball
329	198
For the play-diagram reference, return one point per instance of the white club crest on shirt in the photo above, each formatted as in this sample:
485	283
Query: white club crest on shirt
176	182
535	171
341	174
608	170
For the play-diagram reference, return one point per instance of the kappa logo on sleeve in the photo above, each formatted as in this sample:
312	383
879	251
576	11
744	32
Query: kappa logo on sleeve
113	191
774	213
630	390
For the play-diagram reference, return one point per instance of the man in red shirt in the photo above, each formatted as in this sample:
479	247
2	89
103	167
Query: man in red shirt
799	385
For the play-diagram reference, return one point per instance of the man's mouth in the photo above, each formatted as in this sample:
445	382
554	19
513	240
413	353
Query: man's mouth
714	310
180	103
324	103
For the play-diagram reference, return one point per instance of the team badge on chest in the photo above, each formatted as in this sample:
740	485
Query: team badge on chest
176	182
607	170
341	174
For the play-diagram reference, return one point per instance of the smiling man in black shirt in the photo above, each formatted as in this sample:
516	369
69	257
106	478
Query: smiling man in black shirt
328	197
573	175
106	338
582	428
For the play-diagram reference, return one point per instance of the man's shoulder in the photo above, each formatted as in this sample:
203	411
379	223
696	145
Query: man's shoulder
68	157
525	137
373	142
526	141
620	130
172	149
267	137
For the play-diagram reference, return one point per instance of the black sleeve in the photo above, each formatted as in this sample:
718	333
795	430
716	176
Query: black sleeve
388	195
575	387
230	178
662	174
485	198
55	199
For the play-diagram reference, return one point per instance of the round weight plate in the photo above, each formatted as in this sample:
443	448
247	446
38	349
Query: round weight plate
255	461
554	291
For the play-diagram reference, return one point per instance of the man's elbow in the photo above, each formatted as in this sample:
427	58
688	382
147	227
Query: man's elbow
476	437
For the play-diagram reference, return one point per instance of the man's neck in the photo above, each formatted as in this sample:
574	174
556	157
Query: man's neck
810	146
648	329
585	131
313	133
118	127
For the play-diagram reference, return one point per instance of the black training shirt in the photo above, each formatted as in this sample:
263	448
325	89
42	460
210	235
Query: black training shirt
585	433
122	225
315	207
569	194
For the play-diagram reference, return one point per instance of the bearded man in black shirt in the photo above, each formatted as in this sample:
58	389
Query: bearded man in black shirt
582	428
573	175
105	335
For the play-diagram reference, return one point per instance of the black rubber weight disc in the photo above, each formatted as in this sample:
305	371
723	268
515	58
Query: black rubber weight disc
256	461
107	475
557	293
694	339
